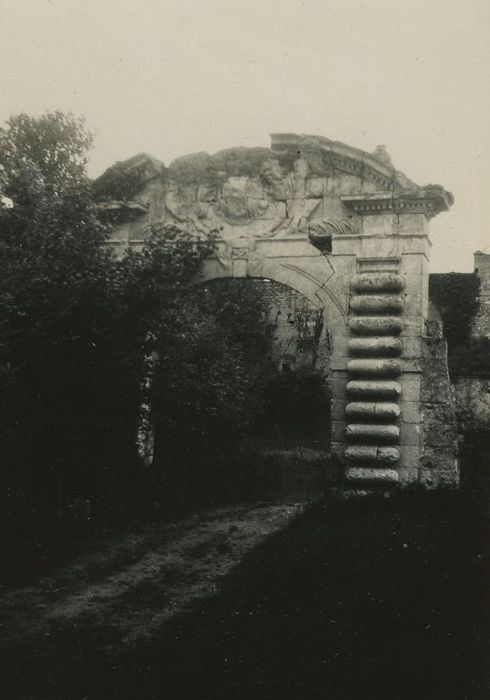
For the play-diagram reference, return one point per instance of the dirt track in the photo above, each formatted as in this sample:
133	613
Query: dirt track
132	585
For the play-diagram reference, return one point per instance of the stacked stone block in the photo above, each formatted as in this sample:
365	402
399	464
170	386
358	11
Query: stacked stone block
374	348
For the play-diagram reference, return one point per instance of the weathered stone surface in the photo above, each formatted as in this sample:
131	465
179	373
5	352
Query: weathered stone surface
440	478
408	475
376	325
356	494
410	456
374	390
438	460
377	224
472	395
377	304
412	224
372	409
380	282
438	389
337	409
337	430
480	326
375	347
374	368
372	453
410	411
410	385
389	476
358	432
410	433
439	423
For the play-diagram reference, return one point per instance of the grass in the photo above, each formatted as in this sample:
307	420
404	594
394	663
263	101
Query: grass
357	600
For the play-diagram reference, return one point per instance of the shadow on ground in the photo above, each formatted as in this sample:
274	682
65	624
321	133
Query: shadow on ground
351	601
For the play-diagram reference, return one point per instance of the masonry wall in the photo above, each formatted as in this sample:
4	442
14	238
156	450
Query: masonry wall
481	321
439	463
469	354
300	336
472	396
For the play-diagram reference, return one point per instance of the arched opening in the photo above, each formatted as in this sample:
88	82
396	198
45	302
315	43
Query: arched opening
284	337
257	402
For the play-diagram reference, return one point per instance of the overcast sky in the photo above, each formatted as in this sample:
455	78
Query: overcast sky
171	77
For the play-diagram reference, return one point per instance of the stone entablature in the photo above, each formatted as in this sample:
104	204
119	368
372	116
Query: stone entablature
348	231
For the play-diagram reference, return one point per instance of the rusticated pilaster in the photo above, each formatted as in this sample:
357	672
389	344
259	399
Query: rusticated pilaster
375	322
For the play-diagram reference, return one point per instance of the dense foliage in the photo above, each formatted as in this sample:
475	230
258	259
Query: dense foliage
220	396
456	296
40	155
106	363
204	392
471	358
122	182
77	326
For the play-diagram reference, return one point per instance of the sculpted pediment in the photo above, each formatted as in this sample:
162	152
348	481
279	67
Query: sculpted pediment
300	184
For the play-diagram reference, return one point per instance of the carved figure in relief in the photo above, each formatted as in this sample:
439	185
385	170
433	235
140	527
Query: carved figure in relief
182	204
273	180
277	199
242	199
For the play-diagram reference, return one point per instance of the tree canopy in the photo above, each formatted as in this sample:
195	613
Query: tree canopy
76	324
42	153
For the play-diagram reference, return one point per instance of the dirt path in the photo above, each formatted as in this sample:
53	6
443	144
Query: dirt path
133	584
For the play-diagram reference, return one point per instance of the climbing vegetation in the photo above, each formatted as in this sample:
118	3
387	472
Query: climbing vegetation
456	295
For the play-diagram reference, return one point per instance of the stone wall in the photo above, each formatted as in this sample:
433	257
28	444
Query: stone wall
439	464
472	402
300	336
481	321
469	351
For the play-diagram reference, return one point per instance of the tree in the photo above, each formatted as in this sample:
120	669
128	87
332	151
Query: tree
76	325
46	153
55	274
204	390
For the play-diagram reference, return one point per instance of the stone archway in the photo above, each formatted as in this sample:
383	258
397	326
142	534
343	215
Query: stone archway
293	316
348	231
282	343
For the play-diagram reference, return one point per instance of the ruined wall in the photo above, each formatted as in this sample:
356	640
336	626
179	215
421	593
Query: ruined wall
464	301
300	335
439	466
481	320
472	402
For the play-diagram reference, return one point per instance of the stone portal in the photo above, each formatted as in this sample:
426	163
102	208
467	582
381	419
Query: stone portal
347	230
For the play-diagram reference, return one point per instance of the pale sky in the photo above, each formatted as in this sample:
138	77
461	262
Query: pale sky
171	77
